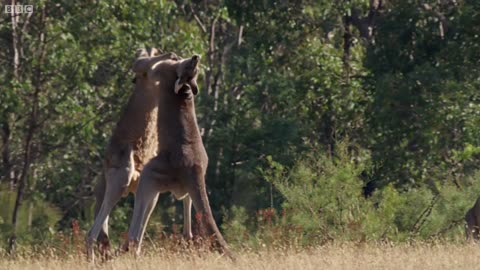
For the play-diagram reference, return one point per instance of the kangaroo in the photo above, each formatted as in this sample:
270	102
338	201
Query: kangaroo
181	162
133	143
473	222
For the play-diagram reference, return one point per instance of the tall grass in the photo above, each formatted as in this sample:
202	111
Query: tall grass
333	256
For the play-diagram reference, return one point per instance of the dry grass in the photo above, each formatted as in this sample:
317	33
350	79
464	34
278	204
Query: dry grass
345	256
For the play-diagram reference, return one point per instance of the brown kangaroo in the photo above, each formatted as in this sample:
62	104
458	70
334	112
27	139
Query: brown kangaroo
473	222
181	162
133	143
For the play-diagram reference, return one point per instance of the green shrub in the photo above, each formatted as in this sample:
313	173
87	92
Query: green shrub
324	201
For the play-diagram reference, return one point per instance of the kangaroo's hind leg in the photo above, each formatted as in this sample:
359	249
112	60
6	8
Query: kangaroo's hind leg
117	180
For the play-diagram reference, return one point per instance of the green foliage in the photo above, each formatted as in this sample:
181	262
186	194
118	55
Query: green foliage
425	98
37	218
235	226
323	194
324	199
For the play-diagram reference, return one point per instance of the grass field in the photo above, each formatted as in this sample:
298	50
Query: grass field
345	256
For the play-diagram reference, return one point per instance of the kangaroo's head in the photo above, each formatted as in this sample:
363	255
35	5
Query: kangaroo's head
187	72
169	69
143	54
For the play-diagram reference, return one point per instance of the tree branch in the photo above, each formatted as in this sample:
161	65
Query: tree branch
197	19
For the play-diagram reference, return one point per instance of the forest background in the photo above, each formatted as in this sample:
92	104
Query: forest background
351	120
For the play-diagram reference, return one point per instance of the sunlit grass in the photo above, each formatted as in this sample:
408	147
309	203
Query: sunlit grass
332	256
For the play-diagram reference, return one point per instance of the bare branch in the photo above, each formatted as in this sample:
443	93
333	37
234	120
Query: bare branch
424	215
240	34
27	21
16	54
197	19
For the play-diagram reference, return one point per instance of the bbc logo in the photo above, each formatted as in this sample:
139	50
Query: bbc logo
15	9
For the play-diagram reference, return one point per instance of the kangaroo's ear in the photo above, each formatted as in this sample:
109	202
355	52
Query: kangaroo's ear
141	60
154	52
187	72
141	53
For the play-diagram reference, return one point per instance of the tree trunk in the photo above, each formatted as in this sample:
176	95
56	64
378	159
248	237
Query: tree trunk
32	127
7	164
347	44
